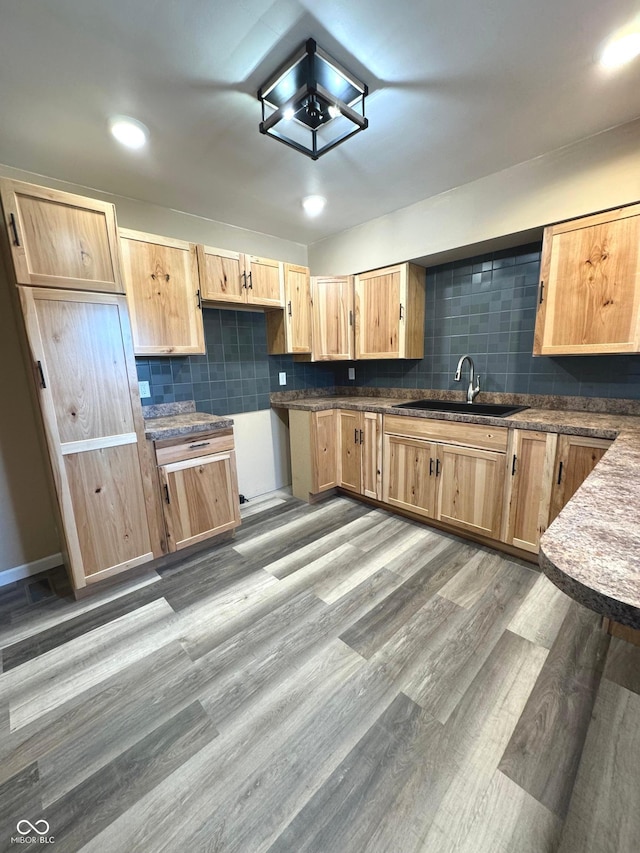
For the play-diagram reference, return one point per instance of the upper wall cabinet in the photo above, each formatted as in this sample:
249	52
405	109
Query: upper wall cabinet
231	277
333	318
61	240
289	331
163	292
589	297
390	312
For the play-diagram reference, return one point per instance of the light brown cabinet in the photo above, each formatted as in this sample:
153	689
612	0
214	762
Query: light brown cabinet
199	487
432	468
360	452
529	487
82	355
390	306
289	331
163	293
314	458
233	278
333	318
57	239
576	458
589	295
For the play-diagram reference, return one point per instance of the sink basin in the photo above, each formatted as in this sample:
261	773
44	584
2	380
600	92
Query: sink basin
489	409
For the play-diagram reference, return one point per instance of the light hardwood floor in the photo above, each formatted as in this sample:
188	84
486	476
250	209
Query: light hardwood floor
334	680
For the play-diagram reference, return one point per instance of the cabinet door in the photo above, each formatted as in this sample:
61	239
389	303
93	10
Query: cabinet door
221	275
528	491
163	293
589	299
470	487
61	240
575	460
409	479
265	279
81	346
324	450
378	308
351	436
333	318
372	455
201	498
297	288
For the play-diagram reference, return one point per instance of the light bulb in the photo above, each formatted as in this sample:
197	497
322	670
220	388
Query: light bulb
313	205
129	132
621	50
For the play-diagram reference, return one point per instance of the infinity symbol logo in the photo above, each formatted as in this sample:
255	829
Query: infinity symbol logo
40	826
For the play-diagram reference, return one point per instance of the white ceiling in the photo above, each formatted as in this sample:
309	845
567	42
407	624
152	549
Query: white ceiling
458	90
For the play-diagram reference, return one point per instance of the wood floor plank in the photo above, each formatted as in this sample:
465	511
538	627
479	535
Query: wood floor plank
19	800
47	681
508	819
623	664
377	626
544	751
542	613
85	810
347	809
604	816
468	585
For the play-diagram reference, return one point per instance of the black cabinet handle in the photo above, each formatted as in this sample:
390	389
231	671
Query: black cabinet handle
166	493
289	308
513	464
361	438
437	467
43	384
560	472
250	284
14	228
355	436
199	444
199	298
430	467
351	318
244	279
401	311
541	292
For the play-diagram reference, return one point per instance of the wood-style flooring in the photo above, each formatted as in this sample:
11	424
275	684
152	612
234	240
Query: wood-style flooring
334	680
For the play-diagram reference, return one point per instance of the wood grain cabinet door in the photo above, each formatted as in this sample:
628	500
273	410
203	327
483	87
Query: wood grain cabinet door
470	489
372	455
265	281
61	240
333	318
409	478
201	498
163	292
81	346
350	438
589	297
378	308
528	489
576	458
297	287
324	450
222	275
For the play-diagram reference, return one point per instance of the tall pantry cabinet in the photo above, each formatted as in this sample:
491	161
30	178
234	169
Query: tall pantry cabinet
63	254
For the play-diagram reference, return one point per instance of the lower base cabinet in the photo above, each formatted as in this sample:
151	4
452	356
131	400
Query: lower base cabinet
360	453
200	492
576	458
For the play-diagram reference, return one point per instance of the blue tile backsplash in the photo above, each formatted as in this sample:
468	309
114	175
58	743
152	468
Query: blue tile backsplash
484	306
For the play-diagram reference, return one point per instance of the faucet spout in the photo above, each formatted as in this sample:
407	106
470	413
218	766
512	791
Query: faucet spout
472	391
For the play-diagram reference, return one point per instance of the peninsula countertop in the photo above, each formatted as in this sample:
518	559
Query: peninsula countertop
592	549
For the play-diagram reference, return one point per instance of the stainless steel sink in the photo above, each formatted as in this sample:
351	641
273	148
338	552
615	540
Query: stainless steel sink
489	409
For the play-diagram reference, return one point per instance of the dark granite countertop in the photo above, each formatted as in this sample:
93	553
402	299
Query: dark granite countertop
592	549
171	420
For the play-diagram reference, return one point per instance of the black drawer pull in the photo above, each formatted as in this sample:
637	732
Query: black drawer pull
199	444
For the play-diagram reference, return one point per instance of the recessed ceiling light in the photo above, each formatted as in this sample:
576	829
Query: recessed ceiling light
313	205
621	50
129	131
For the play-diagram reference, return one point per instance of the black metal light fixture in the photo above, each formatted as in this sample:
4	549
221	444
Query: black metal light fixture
312	103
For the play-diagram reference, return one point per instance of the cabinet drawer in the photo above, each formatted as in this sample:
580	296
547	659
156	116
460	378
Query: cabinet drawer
198	444
450	432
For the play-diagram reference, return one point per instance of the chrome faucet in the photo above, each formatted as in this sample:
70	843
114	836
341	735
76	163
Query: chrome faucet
471	391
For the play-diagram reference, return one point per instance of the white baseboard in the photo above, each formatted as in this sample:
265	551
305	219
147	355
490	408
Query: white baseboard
27	569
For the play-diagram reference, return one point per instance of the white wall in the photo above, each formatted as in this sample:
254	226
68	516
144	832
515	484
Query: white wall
597	173
262	452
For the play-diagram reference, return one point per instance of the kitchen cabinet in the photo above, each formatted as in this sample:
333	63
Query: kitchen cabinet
57	239
360	452
589	294
289	331
199	487
449	472
576	458
163	293
333	318
82	358
314	445
390	306
233	278
529	487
